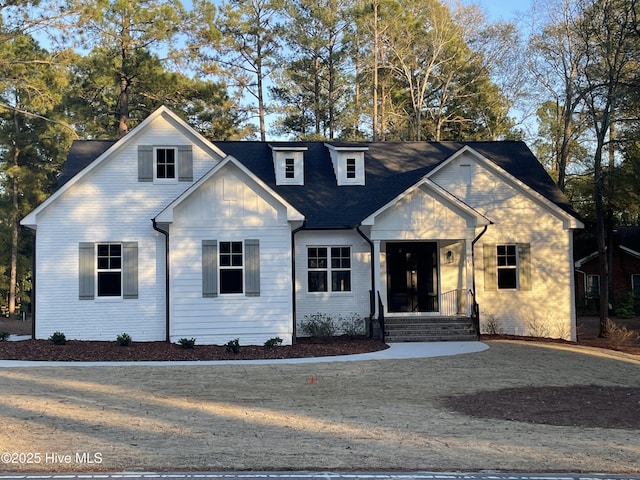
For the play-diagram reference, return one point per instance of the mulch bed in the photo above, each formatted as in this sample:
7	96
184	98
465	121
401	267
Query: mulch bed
44	350
585	406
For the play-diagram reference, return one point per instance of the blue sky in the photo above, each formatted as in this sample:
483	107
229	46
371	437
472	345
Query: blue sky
502	9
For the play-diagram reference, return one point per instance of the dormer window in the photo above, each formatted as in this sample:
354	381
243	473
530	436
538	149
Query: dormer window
288	163
289	168
351	168
348	163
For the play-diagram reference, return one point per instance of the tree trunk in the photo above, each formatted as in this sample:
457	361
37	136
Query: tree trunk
123	119
13	276
374	115
261	109
601	240
15	214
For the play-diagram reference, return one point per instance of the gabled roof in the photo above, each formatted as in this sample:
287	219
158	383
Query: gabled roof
166	215
585	247
84	156
81	154
444	195
390	169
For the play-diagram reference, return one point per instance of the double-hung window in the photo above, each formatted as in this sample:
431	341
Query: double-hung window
231	267
507	263
593	286
329	267
507	266
109	269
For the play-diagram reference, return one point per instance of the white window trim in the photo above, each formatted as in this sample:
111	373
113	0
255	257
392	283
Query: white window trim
587	293
155	164
515	267
328	270
231	267
108	298
289	162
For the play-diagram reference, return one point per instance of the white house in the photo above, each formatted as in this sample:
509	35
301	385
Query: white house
164	235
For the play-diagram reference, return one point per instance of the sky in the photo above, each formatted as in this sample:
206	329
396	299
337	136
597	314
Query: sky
502	9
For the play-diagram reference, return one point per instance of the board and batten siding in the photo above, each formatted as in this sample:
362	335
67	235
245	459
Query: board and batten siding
107	205
421	215
424	215
230	206
333	304
545	307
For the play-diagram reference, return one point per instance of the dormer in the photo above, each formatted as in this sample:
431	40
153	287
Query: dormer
288	162
348	163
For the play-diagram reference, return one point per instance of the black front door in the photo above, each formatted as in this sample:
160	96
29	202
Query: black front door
412	276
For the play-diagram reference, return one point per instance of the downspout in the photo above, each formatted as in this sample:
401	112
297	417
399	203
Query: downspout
33	287
476	310
584	286
473	259
166	286
373	280
293	278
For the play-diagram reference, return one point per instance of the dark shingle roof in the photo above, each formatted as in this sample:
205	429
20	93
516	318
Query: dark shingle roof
81	154
585	243
629	237
390	169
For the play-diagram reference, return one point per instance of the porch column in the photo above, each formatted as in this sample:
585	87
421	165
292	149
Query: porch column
468	263
376	275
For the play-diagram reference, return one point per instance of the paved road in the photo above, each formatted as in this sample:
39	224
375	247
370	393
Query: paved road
316	476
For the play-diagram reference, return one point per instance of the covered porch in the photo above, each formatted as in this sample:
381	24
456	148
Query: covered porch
423	262
424	290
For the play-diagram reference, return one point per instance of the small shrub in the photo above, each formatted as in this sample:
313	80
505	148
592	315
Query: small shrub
273	342
618	335
318	325
233	346
492	326
187	342
4	336
539	328
124	339
352	325
58	338
624	304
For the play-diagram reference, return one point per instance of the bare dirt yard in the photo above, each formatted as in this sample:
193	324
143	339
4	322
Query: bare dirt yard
517	406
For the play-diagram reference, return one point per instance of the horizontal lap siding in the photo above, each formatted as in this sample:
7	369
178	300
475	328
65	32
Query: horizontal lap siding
107	205
231	206
335	304
547	308
253	319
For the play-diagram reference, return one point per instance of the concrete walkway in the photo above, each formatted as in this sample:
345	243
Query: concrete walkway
396	351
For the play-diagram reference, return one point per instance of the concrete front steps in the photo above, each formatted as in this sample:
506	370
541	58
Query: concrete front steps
429	329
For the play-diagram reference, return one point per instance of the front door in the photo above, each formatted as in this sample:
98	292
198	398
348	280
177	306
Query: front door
412	276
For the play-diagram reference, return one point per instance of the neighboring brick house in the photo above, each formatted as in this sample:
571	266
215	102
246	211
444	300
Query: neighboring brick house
624	268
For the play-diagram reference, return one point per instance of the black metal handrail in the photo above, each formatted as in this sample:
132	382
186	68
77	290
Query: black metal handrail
475	312
381	317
